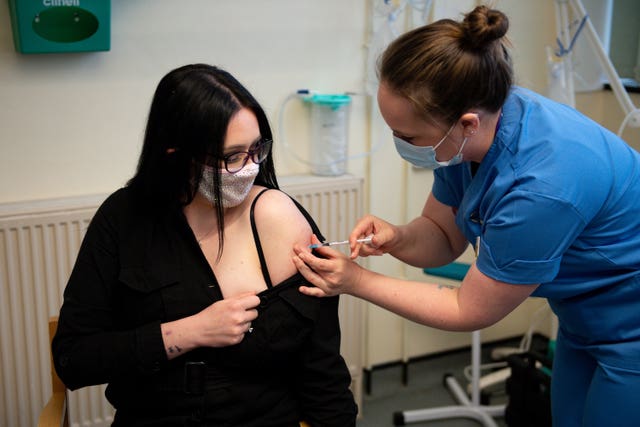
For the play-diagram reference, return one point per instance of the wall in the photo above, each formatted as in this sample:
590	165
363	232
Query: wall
603	107
72	124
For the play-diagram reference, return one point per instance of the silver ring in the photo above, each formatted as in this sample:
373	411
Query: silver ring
250	329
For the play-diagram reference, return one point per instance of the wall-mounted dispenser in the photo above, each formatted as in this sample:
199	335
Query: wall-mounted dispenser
328	151
329	132
49	26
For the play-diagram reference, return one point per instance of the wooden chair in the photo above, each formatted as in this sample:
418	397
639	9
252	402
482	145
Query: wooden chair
55	413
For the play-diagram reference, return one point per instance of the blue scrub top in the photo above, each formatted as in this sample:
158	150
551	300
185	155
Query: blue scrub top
555	201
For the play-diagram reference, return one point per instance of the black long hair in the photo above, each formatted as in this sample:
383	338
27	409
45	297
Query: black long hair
187	124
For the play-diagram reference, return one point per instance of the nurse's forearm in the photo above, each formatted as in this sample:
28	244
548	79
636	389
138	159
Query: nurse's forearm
425	303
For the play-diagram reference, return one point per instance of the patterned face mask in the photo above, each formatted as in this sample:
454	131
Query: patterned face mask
234	186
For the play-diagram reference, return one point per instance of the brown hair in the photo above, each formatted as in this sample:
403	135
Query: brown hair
447	67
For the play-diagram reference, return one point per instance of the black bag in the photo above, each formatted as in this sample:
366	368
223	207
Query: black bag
529	391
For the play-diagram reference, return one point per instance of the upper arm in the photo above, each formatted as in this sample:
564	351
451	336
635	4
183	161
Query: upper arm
484	301
444	218
280	226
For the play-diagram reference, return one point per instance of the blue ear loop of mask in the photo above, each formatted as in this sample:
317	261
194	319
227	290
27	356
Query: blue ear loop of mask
425	157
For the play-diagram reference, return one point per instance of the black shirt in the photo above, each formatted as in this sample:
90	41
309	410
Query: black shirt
137	268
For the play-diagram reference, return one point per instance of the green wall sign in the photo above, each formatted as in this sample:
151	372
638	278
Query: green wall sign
48	26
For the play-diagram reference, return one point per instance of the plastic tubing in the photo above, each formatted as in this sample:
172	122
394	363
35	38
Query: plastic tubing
297	95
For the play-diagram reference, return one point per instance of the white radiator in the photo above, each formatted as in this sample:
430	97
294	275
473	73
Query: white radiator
38	245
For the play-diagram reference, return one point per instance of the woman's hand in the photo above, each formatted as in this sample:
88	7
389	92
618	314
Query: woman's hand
225	322
332	274
385	236
221	324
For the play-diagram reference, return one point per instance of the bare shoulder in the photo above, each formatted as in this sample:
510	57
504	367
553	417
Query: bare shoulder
275	210
280	226
273	200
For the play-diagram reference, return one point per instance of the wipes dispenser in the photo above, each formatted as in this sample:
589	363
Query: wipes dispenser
329	133
60	26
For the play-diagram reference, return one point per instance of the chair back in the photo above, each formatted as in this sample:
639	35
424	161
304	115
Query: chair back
55	413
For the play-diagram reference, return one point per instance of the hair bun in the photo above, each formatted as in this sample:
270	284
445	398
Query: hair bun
482	26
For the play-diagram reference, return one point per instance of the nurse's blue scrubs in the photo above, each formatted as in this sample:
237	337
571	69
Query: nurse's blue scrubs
556	201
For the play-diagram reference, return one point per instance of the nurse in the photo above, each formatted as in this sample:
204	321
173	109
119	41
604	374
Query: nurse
549	199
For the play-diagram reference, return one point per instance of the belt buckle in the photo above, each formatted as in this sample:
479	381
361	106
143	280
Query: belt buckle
194	377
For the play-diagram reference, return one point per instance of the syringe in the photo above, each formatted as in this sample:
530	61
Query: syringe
342	242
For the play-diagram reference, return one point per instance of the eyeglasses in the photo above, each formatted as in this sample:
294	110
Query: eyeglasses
234	162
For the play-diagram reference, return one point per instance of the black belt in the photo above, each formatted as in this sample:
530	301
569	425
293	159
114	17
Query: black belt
192	377
195	377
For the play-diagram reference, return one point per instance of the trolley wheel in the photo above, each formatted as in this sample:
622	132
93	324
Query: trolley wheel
485	397
398	419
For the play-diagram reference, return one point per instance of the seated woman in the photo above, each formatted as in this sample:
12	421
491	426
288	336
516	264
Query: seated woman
184	297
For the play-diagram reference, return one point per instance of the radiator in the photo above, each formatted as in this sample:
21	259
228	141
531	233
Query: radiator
38	246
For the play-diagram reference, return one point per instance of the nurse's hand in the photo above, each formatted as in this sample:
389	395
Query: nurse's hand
332	274
385	237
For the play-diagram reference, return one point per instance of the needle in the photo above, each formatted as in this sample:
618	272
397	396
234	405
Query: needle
342	242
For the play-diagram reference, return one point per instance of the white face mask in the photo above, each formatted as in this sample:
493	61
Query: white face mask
234	186
425	157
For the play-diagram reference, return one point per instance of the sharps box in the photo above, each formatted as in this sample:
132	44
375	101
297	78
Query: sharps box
55	26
